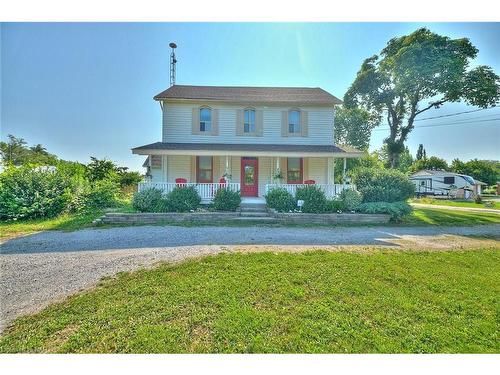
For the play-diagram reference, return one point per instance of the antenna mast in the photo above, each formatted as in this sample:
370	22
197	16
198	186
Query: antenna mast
172	63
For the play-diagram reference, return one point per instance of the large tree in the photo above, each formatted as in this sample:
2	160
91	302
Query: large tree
353	127
415	73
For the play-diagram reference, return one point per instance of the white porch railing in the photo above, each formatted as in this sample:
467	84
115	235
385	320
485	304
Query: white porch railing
330	190
206	191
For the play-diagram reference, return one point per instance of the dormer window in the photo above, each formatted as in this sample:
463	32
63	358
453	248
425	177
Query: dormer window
294	121
249	121
205	120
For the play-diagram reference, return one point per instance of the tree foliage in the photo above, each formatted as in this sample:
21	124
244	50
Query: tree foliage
353	127
16	152
432	163
418	72
487	171
421	154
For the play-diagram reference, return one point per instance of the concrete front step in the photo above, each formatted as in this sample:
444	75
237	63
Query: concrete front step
255	218
253	206
253	209
254	214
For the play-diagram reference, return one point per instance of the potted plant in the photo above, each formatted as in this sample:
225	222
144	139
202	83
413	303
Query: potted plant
278	176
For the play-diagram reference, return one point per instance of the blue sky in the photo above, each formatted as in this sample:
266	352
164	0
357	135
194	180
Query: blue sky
86	89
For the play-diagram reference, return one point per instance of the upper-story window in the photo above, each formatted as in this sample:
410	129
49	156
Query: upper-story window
249	121
205	119
294	121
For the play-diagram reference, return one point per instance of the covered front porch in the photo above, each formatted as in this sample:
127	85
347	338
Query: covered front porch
252	172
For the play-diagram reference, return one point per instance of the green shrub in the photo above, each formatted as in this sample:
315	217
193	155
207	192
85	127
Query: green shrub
313	197
150	200
280	199
383	185
334	206
183	199
478	199
29	192
226	200
351	199
102	194
396	209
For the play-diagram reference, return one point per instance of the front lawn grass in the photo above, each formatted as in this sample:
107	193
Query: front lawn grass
66	221
384	301
446	217
63	222
444	202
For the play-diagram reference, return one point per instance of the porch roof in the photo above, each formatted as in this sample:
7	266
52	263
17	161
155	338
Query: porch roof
257	149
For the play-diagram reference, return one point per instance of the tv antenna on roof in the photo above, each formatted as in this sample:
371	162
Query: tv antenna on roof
173	60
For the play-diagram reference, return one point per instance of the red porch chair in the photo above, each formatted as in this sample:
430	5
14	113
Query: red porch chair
180	181
222	182
309	182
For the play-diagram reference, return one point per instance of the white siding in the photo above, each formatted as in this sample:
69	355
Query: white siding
178	166
235	169
264	174
177	126
318	170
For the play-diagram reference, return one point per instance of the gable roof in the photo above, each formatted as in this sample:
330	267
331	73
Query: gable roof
289	95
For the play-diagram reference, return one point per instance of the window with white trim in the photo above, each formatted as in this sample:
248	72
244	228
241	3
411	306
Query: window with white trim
249	121
294	121
205	120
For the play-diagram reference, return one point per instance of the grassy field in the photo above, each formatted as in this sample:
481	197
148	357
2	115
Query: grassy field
443	202
64	222
315	302
444	217
419	217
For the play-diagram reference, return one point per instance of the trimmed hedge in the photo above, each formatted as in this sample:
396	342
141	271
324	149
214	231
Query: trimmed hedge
280	199
150	200
383	185
396	209
313	197
226	200
351	199
334	205
183	199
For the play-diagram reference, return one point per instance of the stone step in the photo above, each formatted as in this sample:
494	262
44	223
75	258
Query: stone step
253	209
255	218
254	213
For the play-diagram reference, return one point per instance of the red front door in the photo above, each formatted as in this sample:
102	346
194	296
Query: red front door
249	177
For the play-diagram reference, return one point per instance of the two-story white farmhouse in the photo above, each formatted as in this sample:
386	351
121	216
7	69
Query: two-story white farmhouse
246	138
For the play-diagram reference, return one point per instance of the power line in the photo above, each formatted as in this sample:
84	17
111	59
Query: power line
447	124
454	114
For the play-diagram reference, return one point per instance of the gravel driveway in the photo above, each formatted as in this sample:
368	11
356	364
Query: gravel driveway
44	267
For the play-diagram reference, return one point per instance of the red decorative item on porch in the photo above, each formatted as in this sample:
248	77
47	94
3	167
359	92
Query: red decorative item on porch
222	182
180	181
309	182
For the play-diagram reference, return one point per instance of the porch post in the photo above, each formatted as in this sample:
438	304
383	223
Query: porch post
330	177
226	172
164	164
277	166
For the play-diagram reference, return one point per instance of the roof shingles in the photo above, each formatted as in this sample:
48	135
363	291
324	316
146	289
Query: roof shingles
271	95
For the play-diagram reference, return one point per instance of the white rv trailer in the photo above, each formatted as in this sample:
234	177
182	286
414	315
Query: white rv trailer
442	183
